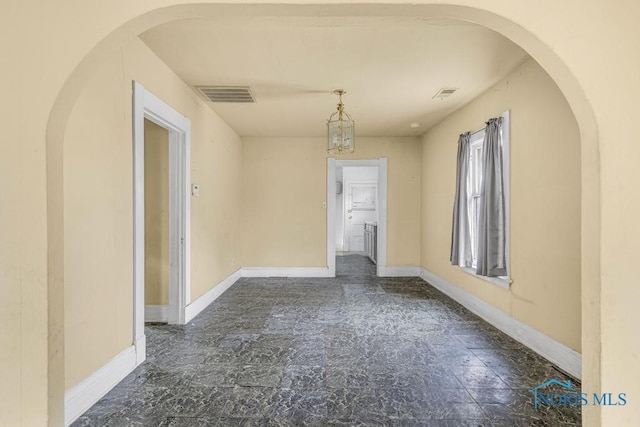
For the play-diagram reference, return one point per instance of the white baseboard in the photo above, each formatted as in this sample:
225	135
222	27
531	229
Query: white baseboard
81	397
285	272
156	313
407	271
193	309
140	344
564	357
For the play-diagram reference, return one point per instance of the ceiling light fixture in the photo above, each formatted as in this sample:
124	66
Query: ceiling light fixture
340	129
415	125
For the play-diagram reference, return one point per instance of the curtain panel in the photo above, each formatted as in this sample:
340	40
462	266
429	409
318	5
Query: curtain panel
491	255
460	232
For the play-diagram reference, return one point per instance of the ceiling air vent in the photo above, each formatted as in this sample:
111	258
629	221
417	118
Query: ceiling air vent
227	93
445	92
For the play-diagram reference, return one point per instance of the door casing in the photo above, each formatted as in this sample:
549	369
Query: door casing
148	106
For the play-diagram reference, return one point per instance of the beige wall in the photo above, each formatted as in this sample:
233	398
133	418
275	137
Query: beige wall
98	227
545	202
285	184
98	204
156	214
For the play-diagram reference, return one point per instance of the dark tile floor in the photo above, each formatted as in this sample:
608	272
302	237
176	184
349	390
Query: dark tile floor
356	350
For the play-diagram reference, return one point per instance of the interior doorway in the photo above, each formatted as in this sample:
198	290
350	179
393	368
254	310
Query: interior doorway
356	195
359	202
156	223
162	121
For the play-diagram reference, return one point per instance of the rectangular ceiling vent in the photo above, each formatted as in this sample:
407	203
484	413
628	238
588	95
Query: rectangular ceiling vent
227	93
445	92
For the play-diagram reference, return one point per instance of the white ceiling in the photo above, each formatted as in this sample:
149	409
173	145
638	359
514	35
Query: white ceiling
390	67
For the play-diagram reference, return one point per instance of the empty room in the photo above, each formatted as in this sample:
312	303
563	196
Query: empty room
320	214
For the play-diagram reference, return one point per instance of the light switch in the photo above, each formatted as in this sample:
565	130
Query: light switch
195	190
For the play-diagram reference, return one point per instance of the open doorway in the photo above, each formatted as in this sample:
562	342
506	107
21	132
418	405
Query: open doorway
156	223
161	138
357	210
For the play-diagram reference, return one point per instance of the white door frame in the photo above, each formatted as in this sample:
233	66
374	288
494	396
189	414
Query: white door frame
332	164
148	106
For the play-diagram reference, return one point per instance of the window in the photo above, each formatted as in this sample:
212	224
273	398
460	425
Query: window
473	189
468	228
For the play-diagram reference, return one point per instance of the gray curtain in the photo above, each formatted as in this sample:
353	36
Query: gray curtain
491	225
460	237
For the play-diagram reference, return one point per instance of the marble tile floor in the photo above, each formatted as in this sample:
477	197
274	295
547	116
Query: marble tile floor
355	350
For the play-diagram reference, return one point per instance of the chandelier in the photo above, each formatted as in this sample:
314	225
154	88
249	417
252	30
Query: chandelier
340	129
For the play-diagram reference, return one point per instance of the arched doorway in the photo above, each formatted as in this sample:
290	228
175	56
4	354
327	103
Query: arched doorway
542	53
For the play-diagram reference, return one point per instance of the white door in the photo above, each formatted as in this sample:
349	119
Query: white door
360	207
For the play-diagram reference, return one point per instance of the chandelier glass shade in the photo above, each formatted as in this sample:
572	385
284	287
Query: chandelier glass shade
340	129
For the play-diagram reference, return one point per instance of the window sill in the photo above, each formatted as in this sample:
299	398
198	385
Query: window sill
501	281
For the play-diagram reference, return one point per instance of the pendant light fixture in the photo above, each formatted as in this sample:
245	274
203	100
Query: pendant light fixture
340	129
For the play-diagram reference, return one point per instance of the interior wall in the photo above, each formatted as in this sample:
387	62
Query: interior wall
156	214
98	204
545	202
284	221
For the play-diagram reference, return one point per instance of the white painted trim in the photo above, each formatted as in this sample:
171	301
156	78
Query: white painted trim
381	258
501	281
564	357
148	106
141	349
285	272
331	216
405	271
193	309
332	164
186	222
156	313
80	398
506	155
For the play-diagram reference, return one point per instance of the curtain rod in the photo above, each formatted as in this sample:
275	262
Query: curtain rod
473	133
481	129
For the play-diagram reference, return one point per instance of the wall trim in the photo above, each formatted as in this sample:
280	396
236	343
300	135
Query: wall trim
80	398
156	313
286	272
564	357
404	271
84	395
331	216
148	106
193	309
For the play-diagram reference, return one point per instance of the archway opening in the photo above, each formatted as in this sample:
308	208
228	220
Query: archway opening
536	48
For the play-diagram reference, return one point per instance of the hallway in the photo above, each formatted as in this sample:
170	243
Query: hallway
354	350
